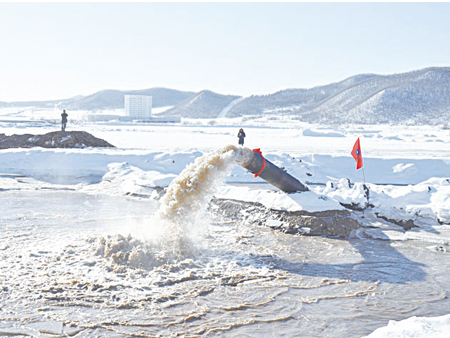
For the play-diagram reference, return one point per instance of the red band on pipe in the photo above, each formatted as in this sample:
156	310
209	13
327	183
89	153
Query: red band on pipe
258	150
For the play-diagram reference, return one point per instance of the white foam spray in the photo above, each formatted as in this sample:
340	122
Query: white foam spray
178	222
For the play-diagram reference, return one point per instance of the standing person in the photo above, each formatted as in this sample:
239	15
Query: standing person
64	120
241	136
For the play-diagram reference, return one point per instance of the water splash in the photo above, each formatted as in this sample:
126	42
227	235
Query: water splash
191	191
171	234
182	207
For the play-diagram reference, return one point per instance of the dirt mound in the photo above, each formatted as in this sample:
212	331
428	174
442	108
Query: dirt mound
331	223
57	139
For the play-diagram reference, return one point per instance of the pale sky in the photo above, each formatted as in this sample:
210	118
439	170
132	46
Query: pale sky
59	50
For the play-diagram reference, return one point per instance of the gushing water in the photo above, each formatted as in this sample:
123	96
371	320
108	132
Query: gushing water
179	222
190	192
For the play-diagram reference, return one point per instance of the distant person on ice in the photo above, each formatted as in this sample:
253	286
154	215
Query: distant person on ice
64	120
241	136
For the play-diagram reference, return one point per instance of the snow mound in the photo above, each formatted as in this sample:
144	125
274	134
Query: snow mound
415	327
124	179
427	200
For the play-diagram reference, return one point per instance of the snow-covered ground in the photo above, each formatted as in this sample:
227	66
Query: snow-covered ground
406	169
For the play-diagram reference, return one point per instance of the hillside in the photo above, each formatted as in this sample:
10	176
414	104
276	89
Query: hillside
42	104
108	99
161	97
205	104
419	97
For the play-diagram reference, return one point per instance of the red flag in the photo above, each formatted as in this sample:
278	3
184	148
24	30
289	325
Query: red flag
356	153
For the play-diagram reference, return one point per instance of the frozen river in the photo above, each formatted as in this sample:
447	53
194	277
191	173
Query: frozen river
68	265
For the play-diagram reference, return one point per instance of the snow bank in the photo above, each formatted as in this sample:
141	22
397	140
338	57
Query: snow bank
378	170
138	172
72	166
309	132
277	200
415	327
125	179
427	200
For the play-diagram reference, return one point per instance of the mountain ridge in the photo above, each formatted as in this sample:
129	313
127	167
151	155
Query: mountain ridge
205	104
108	99
419	96
416	97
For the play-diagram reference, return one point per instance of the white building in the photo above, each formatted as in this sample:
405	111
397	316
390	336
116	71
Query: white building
138	107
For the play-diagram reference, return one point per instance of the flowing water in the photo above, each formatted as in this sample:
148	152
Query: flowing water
83	265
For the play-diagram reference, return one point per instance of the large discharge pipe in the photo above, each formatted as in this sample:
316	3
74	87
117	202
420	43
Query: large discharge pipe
268	171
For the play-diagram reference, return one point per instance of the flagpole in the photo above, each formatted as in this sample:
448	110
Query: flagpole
368	191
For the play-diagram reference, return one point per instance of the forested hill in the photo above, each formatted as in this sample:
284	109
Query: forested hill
418	97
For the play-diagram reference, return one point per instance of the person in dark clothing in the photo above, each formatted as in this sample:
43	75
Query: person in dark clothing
64	120
241	136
